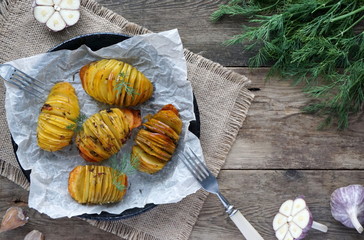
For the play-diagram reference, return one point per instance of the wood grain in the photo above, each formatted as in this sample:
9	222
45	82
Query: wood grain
259	194
192	19
278	154
253	192
278	135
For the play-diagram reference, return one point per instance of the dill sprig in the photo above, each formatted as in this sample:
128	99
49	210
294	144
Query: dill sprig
313	42
78	125
123	166
121	83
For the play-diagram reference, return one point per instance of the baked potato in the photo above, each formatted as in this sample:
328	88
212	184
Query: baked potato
96	184
104	133
57	117
156	143
116	83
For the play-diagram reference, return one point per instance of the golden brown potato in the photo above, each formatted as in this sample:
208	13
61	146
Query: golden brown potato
96	184
57	117
104	133
116	83
156	144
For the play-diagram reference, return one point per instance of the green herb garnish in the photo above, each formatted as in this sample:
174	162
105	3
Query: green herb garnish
121	83
122	166
311	41
78	125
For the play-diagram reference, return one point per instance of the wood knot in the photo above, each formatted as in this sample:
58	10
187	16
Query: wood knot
292	174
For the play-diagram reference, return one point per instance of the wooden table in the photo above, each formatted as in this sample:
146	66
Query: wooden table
278	154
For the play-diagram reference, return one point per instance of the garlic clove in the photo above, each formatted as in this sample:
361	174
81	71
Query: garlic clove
302	219
298	205
34	235
56	22
288	237
278	221
44	2
14	217
282	232
43	13
71	17
70	4
295	230
286	208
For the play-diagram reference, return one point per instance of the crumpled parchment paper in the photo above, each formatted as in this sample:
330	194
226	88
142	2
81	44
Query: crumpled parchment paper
160	57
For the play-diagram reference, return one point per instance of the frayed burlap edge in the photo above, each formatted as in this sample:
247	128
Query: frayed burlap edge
241	107
131	233
127	27
14	174
4	10
6	169
237	117
126	232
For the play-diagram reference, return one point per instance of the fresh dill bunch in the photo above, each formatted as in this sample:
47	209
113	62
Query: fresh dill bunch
122	166
78	126
243	8
121	83
313	42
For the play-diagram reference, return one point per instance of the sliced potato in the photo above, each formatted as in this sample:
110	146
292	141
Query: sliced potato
156	144
116	83
57	117
105	132
94	185
146	162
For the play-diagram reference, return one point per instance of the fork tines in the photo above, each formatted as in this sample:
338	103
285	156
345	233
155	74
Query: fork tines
195	165
24	81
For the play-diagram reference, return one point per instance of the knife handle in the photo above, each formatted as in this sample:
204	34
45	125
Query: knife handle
244	226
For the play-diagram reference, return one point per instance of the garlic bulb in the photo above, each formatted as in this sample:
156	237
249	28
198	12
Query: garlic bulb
294	220
57	14
347	206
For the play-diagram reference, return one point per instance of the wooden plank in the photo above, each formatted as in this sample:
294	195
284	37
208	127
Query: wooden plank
259	194
254	192
192	19
277	135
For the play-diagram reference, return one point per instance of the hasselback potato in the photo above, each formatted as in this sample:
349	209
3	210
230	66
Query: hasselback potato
156	143
104	133
96	184
116	83
57	117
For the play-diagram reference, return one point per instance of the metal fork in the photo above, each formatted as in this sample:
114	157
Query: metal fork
209	183
22	80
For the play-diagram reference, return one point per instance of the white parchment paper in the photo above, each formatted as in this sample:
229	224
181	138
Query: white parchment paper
160	57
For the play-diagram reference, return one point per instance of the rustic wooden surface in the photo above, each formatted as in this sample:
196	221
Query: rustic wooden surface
278	154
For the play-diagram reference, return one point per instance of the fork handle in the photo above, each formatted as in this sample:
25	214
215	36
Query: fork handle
244	226
240	221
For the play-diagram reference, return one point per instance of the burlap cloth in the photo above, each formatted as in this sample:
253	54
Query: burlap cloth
222	97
